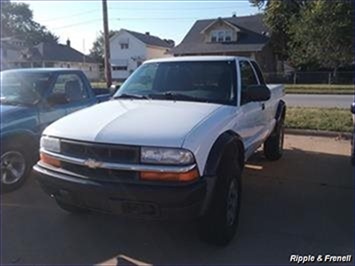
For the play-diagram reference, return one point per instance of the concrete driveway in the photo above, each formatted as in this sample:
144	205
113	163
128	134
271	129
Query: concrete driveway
300	205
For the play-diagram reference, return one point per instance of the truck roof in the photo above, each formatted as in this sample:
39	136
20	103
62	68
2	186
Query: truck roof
41	70
196	58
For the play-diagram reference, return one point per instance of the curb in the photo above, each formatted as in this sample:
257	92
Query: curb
318	133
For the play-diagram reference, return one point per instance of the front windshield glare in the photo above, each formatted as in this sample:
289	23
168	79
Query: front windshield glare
22	88
205	81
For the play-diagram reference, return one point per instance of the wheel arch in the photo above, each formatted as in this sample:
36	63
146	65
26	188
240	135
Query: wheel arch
23	137
218	149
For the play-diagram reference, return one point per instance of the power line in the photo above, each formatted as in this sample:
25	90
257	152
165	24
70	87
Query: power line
127	18
76	24
170	9
72	15
137	9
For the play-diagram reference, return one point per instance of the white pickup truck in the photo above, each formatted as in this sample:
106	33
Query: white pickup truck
172	142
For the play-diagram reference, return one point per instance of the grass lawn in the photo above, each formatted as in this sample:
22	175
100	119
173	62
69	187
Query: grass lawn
329	119
319	89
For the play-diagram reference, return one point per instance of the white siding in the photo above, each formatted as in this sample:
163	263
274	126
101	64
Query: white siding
129	57
91	70
136	53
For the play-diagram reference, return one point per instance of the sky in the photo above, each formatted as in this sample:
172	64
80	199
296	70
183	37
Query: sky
81	21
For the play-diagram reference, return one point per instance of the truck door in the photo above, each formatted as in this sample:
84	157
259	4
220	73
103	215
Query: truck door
268	107
250	124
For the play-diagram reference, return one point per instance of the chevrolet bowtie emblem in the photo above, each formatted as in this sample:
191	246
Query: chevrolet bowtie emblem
91	163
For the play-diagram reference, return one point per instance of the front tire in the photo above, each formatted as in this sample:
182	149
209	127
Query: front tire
273	146
15	166
219	225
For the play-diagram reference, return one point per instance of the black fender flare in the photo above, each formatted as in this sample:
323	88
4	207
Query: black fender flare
213	160
280	115
216	152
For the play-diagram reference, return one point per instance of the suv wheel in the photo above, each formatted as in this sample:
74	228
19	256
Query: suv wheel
15	166
218	226
273	146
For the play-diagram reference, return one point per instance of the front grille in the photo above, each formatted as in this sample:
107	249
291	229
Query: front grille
100	174
101	152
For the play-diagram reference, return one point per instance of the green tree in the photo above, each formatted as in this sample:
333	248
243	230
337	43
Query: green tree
277	16
323	35
97	50
311	34
17	21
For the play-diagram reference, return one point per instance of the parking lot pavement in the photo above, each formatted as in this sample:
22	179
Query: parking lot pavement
302	204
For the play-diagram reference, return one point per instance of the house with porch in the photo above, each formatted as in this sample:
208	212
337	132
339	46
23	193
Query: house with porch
240	36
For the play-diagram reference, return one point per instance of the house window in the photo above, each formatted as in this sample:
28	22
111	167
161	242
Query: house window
221	36
68	65
124	46
119	68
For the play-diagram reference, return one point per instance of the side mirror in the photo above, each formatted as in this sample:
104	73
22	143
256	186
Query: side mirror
352	108
57	99
257	93
113	88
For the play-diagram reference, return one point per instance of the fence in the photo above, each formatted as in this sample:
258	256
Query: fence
311	78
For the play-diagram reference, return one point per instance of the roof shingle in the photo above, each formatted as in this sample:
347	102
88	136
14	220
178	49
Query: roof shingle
251	38
149	39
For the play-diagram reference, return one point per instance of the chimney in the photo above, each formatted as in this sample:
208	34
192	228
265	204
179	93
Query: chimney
234	14
68	43
147	33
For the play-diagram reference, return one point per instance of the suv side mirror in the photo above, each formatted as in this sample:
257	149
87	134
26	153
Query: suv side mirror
352	108
57	99
257	93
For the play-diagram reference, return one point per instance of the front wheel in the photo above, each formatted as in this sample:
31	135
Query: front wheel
218	226
15	167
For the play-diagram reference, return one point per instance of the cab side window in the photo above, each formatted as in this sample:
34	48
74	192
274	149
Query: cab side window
71	87
248	78
258	72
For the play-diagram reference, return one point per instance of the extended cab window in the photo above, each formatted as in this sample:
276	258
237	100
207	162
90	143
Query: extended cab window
71	87
247	78
258	72
202	81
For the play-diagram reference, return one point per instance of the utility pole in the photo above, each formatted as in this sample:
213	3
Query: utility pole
107	45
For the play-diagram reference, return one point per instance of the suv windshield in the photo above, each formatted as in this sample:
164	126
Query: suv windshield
23	88
203	81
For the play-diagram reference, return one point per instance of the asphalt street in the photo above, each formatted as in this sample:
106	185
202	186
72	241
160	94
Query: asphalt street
302	204
314	100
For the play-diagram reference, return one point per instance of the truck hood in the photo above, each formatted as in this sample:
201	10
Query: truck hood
133	122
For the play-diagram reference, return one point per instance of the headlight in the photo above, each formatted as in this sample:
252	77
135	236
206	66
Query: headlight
166	156
50	144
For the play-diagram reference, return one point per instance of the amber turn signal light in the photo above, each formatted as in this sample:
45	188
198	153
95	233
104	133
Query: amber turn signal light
49	160
169	176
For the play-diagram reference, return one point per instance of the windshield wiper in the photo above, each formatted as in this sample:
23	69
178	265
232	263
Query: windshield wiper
175	96
131	96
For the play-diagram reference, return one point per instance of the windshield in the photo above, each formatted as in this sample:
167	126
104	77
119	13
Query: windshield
203	81
23	88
